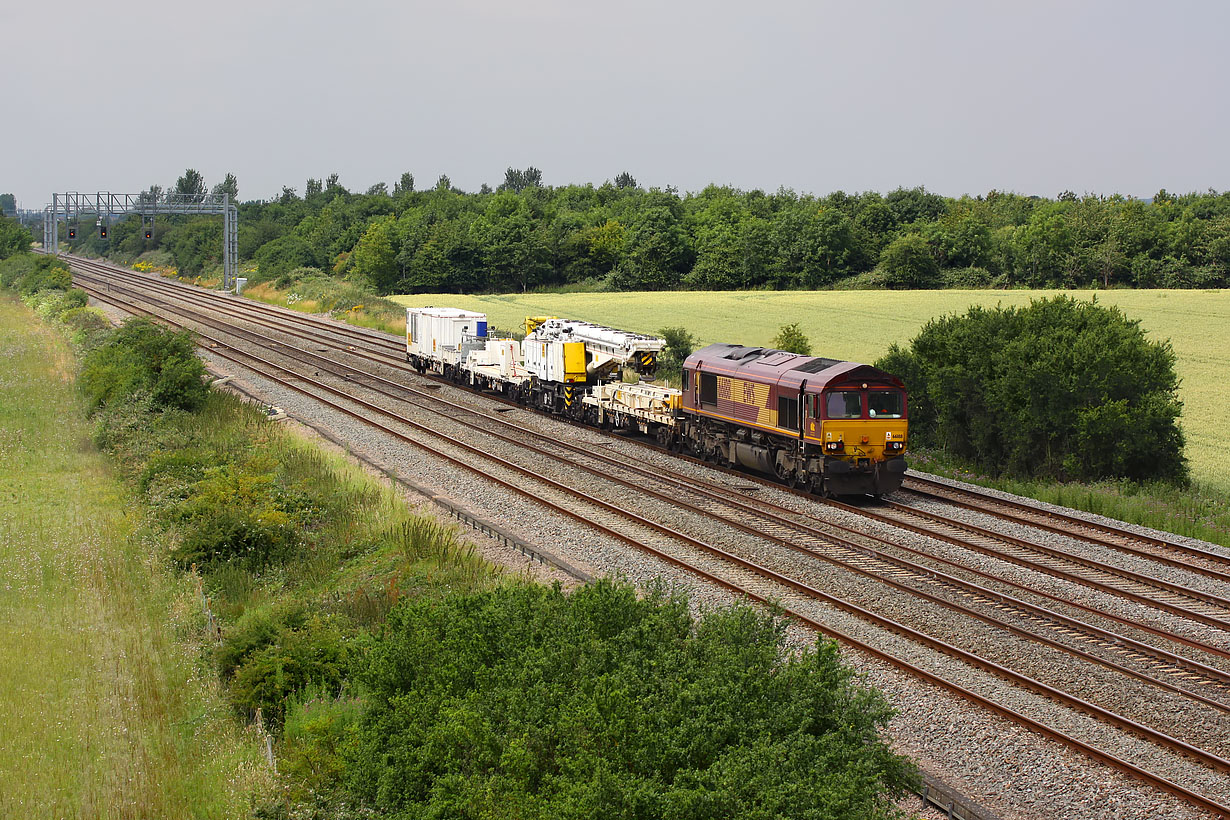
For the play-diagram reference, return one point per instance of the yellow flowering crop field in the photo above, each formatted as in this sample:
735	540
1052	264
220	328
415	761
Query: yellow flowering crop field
860	325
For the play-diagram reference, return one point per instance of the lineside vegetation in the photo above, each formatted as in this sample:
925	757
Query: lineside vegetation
401	674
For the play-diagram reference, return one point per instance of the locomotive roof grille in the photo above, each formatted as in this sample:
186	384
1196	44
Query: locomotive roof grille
816	365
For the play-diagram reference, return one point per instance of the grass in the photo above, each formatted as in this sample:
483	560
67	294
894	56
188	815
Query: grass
108	708
860	325
342	300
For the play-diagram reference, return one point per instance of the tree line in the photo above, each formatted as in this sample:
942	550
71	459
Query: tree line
524	235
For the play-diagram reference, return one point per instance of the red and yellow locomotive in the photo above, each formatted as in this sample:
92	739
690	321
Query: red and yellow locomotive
835	427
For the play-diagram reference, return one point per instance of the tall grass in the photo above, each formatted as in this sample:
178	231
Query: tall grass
106	707
340	299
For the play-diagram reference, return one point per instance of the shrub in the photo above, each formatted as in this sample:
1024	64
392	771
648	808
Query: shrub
14	239
53	304
140	356
44	273
86	323
679	345
315	729
14	268
1062	388
254	630
792	340
526	702
281	255
317	653
971	277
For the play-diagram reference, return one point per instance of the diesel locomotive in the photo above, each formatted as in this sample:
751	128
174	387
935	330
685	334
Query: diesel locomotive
831	426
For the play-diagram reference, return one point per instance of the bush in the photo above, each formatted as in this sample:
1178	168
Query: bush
282	255
14	268
87	324
235	513
315	729
14	239
526	702
256	629
315	654
51	305
679	345
792	340
141	357
972	277
1062	388
30	274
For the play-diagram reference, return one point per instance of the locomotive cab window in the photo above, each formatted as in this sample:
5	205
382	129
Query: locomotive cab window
788	413
843	404
811	406
886	404
708	388
684	384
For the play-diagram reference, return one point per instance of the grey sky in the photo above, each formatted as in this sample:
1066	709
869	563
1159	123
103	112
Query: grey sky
962	97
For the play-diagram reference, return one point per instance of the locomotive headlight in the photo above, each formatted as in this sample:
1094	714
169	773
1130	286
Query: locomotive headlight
834	446
894	446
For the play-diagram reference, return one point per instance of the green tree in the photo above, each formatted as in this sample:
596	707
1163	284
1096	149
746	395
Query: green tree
907	263
314	186
375	257
792	339
195	245
514	250
656	248
405	185
915	205
625	180
8	205
517	181
191	185
228	186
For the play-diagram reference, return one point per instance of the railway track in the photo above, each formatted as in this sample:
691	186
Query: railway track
761	521
1166	551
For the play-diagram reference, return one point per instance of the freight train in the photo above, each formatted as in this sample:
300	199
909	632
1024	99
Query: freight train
831	426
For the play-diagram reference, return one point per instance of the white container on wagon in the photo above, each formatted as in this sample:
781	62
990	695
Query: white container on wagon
443	336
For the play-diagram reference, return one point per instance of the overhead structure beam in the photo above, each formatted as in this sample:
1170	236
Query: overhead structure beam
105	204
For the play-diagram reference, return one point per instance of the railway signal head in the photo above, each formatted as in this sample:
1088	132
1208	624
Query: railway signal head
72	233
102	231
149	233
